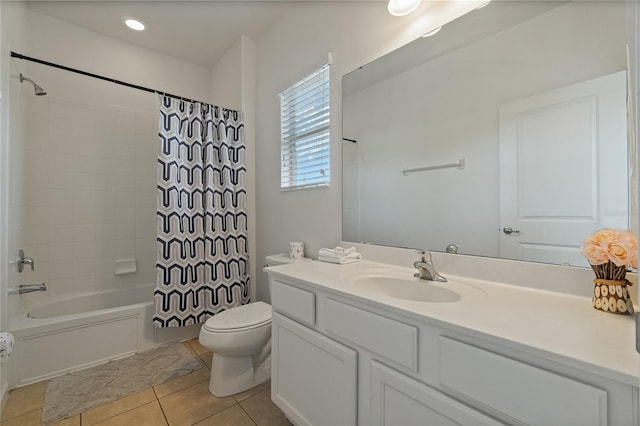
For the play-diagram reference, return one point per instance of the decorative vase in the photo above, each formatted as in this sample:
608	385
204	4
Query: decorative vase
610	293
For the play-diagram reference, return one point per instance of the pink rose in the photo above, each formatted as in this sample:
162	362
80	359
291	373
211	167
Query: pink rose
595	247
623	251
619	246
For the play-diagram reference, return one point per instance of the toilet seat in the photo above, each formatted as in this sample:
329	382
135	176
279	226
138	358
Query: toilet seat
240	318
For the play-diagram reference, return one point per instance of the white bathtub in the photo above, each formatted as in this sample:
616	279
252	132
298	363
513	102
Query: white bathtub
70	334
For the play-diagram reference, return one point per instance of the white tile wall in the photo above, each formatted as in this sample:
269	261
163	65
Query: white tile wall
90	194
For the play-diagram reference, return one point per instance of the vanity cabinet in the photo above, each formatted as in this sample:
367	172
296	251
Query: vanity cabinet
341	360
397	399
525	393
314	378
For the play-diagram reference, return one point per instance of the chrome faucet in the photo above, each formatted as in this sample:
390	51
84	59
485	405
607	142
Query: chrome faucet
452	248
24	260
27	288
426	270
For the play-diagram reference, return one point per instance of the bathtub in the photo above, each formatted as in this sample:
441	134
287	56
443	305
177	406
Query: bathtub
70	334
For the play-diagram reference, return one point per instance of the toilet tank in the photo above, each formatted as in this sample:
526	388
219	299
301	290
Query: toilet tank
264	292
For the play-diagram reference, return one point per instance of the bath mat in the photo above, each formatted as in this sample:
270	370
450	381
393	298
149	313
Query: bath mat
74	393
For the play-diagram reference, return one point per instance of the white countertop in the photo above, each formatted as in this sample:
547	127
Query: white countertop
560	327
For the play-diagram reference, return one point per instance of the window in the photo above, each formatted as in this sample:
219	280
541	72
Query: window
304	132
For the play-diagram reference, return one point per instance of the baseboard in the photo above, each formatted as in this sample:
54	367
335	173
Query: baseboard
168	335
4	396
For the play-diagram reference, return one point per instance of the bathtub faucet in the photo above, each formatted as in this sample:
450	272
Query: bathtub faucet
27	288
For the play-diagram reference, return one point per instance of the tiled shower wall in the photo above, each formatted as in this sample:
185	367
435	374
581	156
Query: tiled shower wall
89	194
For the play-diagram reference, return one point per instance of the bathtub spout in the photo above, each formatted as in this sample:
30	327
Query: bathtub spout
27	288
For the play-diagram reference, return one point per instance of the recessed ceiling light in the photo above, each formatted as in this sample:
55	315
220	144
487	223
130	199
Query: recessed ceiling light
432	32
134	24
402	7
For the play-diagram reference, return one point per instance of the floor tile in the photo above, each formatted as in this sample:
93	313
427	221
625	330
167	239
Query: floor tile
24	400
34	418
207	358
253	391
197	347
118	406
234	416
146	415
71	421
188	346
182	382
193	404
263	411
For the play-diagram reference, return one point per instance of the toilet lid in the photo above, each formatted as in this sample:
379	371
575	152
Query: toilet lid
240	317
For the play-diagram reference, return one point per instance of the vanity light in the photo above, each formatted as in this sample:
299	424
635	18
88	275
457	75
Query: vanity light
134	24
432	32
402	7
483	4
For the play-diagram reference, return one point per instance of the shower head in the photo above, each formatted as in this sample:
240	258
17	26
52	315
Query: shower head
39	91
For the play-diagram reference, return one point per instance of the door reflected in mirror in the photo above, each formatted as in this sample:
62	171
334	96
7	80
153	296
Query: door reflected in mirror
532	95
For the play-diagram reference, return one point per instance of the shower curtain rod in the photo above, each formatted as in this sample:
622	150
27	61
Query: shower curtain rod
100	77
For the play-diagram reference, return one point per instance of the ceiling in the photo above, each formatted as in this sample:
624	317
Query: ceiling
462	31
199	32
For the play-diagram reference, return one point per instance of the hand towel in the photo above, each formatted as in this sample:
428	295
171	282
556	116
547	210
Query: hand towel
340	251
339	255
339	261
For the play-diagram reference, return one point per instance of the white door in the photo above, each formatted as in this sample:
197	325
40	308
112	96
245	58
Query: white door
563	169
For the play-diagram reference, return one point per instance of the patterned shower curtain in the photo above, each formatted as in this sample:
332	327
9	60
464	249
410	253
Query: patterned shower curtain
203	262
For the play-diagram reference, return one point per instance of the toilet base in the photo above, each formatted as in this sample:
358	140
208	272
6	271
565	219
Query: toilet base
231	375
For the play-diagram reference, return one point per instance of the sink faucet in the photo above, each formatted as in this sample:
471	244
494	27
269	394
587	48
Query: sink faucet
426	270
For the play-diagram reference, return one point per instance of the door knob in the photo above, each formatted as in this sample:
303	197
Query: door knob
509	230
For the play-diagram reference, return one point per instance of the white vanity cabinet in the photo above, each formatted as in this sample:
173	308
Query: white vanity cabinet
314	378
343	360
397	399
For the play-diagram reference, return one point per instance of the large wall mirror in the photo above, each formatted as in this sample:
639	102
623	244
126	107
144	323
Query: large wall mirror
503	135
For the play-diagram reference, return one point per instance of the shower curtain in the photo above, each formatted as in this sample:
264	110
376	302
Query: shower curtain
202	260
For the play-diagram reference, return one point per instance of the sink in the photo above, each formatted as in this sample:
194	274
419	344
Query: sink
402	285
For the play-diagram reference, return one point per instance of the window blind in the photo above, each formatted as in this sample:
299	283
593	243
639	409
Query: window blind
304	132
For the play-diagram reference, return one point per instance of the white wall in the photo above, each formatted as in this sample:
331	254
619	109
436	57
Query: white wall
356	33
633	27
66	44
233	86
11	36
248	102
90	168
418	119
226	84
90	192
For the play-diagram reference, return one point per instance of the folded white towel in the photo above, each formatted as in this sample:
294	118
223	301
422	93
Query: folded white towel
340	253
339	261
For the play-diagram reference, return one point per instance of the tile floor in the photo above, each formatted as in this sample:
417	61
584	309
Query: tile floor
182	401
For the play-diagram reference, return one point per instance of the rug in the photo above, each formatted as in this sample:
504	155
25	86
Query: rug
74	393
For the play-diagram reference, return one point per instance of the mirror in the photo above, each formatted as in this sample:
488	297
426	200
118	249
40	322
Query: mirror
503	135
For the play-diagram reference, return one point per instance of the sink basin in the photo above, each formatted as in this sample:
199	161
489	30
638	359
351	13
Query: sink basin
402	285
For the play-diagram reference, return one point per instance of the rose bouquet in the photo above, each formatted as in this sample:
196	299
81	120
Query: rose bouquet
610	253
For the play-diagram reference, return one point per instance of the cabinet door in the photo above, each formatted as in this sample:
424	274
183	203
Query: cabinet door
398	400
313	378
525	393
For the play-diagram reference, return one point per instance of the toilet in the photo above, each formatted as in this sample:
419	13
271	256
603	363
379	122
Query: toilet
240	339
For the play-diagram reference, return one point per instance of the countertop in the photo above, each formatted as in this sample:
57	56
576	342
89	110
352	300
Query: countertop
561	327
